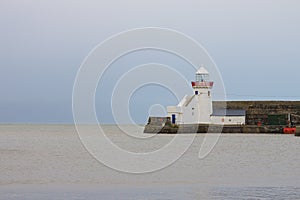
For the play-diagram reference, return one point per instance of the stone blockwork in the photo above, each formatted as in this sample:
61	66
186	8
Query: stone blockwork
259	115
260	111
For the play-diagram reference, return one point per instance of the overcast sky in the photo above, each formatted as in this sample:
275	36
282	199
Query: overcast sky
43	43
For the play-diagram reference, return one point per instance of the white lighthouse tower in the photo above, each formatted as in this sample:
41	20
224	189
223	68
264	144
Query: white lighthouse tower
202	90
196	108
196	111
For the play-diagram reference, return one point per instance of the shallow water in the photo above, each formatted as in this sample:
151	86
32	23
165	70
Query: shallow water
49	161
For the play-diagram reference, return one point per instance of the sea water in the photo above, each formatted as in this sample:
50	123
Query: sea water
49	162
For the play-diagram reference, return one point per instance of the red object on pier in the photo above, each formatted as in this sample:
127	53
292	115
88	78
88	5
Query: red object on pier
259	123
289	130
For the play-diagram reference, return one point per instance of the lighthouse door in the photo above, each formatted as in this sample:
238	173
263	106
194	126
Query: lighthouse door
173	119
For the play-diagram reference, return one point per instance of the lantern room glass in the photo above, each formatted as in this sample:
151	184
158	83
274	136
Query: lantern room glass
202	77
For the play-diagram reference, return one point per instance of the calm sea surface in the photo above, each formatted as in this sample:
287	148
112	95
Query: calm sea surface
49	162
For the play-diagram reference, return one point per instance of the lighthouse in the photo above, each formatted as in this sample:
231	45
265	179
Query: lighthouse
196	108
202	90
196	111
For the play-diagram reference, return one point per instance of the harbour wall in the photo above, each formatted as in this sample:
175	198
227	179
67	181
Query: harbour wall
258	114
259	111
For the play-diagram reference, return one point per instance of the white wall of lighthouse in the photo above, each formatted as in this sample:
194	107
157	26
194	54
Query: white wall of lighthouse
195	109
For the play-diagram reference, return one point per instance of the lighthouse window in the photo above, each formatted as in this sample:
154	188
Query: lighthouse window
209	93
201	77
196	92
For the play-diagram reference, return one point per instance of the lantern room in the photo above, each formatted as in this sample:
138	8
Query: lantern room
202	75
202	79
